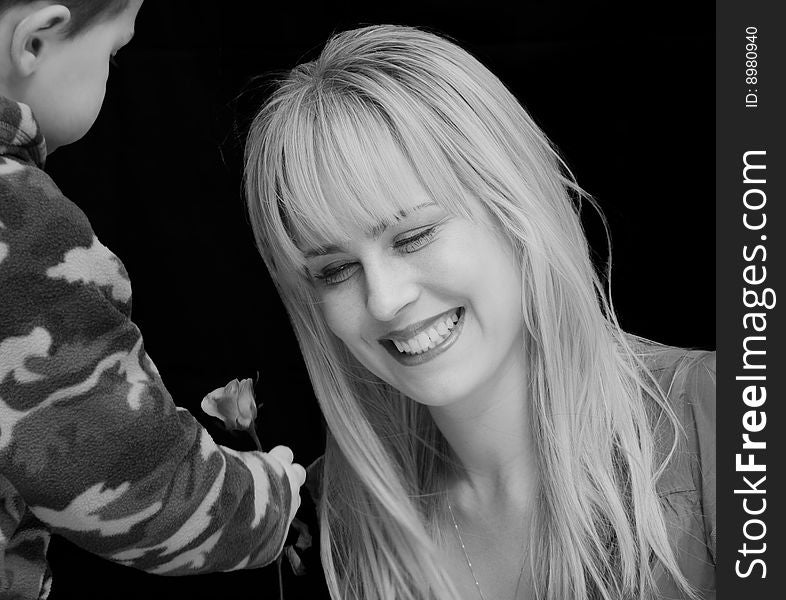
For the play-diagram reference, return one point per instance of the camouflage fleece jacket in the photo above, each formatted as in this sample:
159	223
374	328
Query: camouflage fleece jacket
91	445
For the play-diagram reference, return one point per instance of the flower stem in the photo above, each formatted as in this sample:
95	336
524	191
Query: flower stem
253	431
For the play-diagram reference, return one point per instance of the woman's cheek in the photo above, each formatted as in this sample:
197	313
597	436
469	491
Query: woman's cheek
341	315
331	319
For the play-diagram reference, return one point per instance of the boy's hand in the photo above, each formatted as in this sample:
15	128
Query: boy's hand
296	475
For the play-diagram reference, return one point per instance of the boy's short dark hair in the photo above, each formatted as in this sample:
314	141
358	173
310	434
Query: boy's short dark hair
84	13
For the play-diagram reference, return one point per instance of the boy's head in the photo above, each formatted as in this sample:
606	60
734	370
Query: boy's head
54	57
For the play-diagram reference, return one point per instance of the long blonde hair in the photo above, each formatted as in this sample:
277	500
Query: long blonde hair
323	150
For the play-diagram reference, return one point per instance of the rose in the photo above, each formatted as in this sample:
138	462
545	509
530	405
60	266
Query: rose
234	404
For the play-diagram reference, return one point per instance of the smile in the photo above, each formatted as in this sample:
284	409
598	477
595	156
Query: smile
425	340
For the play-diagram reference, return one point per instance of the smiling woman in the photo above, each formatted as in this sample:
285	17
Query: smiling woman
493	433
401	295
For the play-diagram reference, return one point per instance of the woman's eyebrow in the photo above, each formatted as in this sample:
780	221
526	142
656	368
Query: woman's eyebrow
373	233
322	251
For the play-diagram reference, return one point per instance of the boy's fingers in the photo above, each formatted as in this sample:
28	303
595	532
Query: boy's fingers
299	474
296	474
283	454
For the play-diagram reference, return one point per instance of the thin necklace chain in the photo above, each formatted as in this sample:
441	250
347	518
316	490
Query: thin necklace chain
469	562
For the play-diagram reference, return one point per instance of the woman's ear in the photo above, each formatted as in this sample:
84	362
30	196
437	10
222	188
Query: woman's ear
40	27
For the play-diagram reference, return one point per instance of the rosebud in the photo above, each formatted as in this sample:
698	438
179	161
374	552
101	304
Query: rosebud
234	404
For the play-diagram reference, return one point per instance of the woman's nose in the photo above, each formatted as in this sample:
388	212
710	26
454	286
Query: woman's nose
390	286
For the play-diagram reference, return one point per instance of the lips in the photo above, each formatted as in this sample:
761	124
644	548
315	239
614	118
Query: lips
426	339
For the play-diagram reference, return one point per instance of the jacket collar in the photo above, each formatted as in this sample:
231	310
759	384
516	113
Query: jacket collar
20	135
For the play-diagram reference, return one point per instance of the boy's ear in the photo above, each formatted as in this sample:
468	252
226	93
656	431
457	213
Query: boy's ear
40	27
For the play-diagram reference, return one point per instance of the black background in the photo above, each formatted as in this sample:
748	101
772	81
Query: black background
625	90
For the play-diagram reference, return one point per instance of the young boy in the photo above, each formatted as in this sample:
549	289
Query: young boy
91	445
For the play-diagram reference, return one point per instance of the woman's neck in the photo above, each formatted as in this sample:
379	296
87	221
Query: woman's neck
490	436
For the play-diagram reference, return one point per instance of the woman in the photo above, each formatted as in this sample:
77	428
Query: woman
493	433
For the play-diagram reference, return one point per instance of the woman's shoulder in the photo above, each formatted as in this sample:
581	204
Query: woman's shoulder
686	380
686	485
685	376
676	369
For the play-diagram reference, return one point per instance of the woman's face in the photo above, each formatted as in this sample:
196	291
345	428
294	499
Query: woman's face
430	304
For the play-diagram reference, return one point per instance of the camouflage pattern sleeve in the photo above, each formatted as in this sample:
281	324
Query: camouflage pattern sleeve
90	439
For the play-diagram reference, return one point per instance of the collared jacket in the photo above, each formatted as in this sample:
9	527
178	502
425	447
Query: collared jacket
687	486
92	446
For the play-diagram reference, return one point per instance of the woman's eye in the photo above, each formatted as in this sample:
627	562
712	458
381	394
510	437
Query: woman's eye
415	242
334	275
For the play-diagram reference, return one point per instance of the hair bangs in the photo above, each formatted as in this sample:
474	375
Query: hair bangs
348	166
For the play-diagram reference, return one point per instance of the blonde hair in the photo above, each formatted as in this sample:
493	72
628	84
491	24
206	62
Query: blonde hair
323	151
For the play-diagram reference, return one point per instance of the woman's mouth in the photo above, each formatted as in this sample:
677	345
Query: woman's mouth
415	346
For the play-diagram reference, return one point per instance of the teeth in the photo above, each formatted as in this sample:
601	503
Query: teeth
426	340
